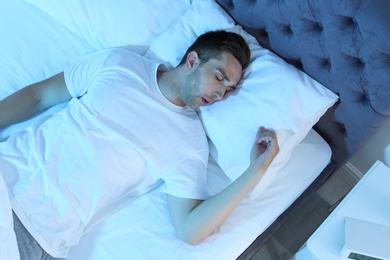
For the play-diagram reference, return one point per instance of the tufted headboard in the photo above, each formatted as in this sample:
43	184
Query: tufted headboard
343	44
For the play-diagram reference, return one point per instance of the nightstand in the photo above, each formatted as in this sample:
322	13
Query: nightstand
368	201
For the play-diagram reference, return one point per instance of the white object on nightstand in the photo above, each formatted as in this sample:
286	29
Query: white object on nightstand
366	238
368	201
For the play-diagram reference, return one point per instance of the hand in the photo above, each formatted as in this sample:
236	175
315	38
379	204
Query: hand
264	149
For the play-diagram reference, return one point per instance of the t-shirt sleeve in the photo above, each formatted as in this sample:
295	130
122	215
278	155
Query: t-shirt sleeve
188	179
80	72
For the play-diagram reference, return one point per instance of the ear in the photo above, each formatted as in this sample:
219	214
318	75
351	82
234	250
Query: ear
192	60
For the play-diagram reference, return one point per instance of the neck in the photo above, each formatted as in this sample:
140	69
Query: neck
168	83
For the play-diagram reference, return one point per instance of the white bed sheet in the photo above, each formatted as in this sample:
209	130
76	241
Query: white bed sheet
142	229
33	47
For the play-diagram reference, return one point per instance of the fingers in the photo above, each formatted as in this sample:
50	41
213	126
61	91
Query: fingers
264	149
265	136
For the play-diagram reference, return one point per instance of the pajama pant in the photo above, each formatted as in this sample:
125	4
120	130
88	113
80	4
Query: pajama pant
29	249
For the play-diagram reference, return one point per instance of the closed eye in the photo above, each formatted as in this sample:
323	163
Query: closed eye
232	88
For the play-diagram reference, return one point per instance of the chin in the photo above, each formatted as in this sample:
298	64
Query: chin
194	105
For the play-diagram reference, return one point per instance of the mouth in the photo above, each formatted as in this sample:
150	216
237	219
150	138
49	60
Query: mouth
205	102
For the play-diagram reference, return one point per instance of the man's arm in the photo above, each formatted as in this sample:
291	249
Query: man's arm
33	100
194	220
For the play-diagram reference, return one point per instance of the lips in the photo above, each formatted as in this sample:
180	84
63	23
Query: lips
205	102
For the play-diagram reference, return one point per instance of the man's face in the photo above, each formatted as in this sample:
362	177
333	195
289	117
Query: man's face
211	81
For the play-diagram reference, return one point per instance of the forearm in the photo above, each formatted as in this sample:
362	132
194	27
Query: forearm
18	107
209	214
194	220
33	100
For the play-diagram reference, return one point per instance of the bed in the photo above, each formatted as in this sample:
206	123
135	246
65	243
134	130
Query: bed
319	75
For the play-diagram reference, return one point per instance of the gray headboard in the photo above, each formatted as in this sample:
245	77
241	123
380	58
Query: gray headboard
345	45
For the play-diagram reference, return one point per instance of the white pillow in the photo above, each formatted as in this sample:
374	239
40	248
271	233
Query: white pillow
273	94
202	16
109	23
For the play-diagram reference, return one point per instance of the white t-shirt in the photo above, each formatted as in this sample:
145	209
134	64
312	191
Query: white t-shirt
122	137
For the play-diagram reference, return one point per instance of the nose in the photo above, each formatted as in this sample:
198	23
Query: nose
220	92
218	95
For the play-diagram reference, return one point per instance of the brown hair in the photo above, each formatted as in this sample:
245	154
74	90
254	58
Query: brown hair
211	45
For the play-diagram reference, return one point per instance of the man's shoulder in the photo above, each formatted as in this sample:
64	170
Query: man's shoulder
124	56
119	52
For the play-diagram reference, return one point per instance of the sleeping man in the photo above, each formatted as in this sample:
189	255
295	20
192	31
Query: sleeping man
129	126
